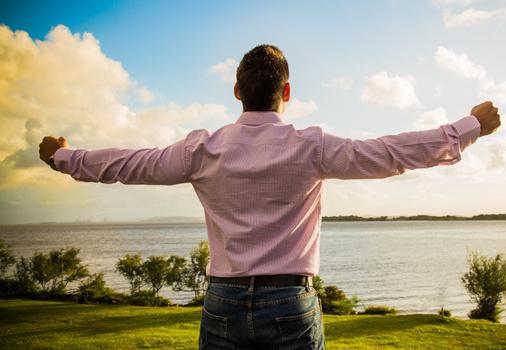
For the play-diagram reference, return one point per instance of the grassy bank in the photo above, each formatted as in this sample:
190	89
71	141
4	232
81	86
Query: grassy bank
26	324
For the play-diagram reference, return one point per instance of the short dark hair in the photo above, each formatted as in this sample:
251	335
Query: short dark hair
261	77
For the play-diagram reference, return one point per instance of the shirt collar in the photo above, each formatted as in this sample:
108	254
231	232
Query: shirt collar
261	117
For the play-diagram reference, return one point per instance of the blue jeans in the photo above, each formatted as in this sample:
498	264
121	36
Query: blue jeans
241	317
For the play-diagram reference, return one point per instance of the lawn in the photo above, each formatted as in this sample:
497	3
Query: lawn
26	324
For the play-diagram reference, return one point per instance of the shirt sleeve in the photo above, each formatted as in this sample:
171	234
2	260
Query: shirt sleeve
149	166
393	154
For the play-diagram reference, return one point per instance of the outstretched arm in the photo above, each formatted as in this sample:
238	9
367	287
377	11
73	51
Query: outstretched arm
393	154
140	166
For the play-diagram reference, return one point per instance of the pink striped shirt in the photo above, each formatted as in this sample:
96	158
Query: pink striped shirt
260	181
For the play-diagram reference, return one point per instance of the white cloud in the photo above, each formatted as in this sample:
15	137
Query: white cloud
66	86
225	70
448	60
497	153
339	83
391	90
452	2
431	119
461	65
494	91
471	17
145	95
296	108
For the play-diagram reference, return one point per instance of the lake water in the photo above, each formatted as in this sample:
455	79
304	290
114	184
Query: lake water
413	266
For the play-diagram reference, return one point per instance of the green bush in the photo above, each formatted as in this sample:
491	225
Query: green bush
6	258
146	298
486	283
379	310
193	277
333	299
158	272
130	266
94	291
55	270
25	283
444	313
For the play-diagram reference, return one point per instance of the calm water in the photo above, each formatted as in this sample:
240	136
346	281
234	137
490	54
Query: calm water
413	266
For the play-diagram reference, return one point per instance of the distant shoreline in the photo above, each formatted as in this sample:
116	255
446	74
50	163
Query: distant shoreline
341	218
479	217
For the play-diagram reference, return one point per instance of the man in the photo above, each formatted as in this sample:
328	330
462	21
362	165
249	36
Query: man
260	183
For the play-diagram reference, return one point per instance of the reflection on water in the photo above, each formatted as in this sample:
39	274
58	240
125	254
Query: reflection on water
413	266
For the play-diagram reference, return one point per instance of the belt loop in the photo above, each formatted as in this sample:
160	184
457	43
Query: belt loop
251	284
308	285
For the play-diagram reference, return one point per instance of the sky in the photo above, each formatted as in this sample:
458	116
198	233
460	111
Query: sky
137	74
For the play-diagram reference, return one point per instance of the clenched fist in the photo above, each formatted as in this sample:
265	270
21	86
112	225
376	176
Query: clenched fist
488	116
49	146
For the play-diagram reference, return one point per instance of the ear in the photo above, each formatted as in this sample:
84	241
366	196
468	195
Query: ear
286	92
236	92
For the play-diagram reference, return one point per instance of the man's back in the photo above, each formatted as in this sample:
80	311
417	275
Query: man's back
259	182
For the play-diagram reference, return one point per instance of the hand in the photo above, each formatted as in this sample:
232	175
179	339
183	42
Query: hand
488	116
49	146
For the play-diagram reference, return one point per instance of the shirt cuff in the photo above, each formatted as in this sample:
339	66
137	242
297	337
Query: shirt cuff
468	129
62	159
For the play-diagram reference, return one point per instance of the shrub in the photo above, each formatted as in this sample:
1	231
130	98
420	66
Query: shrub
55	270
194	274
93	290
6	258
25	283
486	283
444	312
130	267
318	286
159	272
333	299
146	298
379	310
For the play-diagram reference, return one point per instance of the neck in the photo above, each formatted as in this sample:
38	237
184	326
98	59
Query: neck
279	109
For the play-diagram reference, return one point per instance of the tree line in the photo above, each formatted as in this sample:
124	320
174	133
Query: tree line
414	218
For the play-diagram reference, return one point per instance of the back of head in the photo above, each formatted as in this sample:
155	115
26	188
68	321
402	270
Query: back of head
261	77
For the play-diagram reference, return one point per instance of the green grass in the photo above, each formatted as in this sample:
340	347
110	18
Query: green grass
27	324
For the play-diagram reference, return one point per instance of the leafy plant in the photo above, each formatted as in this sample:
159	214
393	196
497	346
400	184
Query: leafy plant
486	283
23	276
444	312
94	290
194	274
159	272
55	270
130	266
379	310
6	258
333	299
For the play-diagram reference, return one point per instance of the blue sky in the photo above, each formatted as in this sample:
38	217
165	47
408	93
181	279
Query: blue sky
359	69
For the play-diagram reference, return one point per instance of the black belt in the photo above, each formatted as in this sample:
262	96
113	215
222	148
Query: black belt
265	280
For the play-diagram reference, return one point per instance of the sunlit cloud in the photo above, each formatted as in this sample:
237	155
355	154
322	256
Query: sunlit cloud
225	70
391	90
66	86
296	109
431	119
453	2
461	65
471	17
